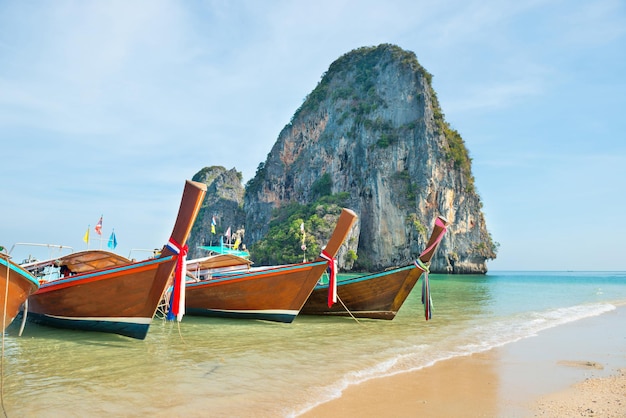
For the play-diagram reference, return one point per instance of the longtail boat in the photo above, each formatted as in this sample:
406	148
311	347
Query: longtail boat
101	292
380	295
16	284
274	293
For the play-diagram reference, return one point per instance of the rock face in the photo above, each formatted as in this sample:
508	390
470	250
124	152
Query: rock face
373	128
224	201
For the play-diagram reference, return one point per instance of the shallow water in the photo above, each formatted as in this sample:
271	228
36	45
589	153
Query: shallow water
224	367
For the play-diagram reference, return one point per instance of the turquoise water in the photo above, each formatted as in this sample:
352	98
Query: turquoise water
223	368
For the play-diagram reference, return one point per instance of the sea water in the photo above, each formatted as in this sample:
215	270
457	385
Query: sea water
225	367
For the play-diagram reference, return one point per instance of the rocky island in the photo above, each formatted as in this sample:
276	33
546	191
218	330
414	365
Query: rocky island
371	136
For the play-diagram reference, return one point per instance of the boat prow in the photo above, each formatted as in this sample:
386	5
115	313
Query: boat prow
274	293
103	293
380	295
16	284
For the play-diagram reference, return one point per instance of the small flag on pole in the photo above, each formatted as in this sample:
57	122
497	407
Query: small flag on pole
86	236
98	227
303	245
112	241
213	225
227	234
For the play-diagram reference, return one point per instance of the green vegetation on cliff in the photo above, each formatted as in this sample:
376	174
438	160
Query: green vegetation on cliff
254	184
283	242
457	152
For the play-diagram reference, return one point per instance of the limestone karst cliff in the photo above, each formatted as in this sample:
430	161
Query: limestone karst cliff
373	128
224	201
373	132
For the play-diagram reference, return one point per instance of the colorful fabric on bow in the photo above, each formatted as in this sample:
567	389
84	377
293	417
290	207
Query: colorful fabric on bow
332	281
177	300
427	301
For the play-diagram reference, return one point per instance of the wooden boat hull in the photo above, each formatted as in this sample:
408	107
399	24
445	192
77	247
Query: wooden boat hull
376	296
119	299
273	294
16	284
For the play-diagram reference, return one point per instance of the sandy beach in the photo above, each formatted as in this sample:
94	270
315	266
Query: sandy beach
576	369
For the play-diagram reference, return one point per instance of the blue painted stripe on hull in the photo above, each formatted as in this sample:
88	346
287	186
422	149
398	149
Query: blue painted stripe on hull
357	279
127	329
19	270
275	317
255	273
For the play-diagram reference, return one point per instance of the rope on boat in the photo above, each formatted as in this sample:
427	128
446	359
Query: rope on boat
181	334
348	310
163	308
345	307
161	311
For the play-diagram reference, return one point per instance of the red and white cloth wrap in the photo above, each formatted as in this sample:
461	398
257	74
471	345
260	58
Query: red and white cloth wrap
177	299
332	281
427	300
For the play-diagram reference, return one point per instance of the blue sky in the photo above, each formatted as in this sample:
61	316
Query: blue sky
106	107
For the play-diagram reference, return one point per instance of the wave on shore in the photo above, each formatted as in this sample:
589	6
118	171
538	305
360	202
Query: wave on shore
477	337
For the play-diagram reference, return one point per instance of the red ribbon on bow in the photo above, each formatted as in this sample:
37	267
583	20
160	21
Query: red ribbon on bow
177	301
332	281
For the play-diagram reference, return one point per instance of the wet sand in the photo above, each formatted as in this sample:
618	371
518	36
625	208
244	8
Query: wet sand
577	369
